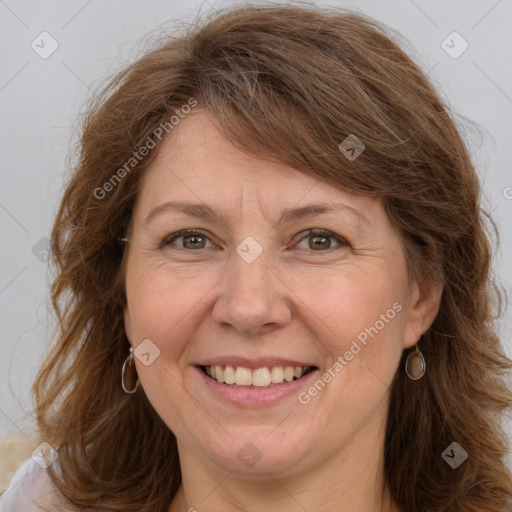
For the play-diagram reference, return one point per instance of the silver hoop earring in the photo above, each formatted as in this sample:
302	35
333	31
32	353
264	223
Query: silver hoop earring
415	365
130	373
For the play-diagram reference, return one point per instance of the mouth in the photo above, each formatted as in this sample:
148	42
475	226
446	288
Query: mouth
255	378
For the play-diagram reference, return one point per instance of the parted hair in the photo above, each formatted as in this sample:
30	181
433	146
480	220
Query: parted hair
288	83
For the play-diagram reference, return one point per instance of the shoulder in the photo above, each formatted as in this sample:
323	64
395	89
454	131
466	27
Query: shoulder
31	490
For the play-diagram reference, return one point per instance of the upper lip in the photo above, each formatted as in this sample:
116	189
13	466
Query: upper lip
260	362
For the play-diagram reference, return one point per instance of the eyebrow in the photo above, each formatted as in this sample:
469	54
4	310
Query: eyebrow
206	212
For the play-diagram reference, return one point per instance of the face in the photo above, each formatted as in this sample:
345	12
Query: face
260	283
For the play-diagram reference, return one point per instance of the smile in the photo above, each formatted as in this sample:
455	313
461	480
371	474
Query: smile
265	377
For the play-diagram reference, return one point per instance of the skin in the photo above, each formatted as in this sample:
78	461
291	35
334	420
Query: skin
294	301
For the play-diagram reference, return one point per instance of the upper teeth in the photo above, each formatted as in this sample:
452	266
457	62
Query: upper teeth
261	377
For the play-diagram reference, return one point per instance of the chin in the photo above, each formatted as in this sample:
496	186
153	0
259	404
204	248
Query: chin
254	452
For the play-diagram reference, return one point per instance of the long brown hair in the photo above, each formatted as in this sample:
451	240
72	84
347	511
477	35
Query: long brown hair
288	83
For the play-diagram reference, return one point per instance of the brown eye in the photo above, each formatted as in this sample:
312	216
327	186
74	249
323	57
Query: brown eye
190	240
193	241
319	242
321	239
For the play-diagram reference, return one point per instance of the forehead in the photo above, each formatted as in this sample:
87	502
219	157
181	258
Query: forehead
197	163
196	145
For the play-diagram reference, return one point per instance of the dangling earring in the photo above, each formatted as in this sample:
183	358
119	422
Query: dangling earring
130	372
415	365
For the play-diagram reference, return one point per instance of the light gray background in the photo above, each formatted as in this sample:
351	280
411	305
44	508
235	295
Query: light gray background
41	98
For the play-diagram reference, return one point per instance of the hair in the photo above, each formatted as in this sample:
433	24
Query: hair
286	83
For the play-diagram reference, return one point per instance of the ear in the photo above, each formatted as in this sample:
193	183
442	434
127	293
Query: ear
128	323
423	306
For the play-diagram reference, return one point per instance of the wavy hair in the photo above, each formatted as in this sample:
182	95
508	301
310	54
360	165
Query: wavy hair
287	83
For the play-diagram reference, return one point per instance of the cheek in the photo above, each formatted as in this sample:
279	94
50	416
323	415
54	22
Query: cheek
352	302
158	312
360	332
160	304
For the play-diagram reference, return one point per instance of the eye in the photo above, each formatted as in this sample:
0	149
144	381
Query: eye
319	239
191	239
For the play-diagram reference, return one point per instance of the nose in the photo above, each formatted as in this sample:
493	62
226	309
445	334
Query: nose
253	297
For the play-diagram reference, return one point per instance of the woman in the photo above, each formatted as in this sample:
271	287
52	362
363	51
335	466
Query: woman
273	286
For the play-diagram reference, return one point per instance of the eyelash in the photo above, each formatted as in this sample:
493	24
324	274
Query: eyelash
298	238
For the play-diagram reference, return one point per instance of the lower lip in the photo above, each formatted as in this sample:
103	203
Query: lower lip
257	397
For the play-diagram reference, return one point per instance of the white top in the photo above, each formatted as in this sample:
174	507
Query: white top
31	490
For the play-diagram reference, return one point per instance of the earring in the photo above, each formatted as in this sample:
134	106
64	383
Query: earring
130	372
415	365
